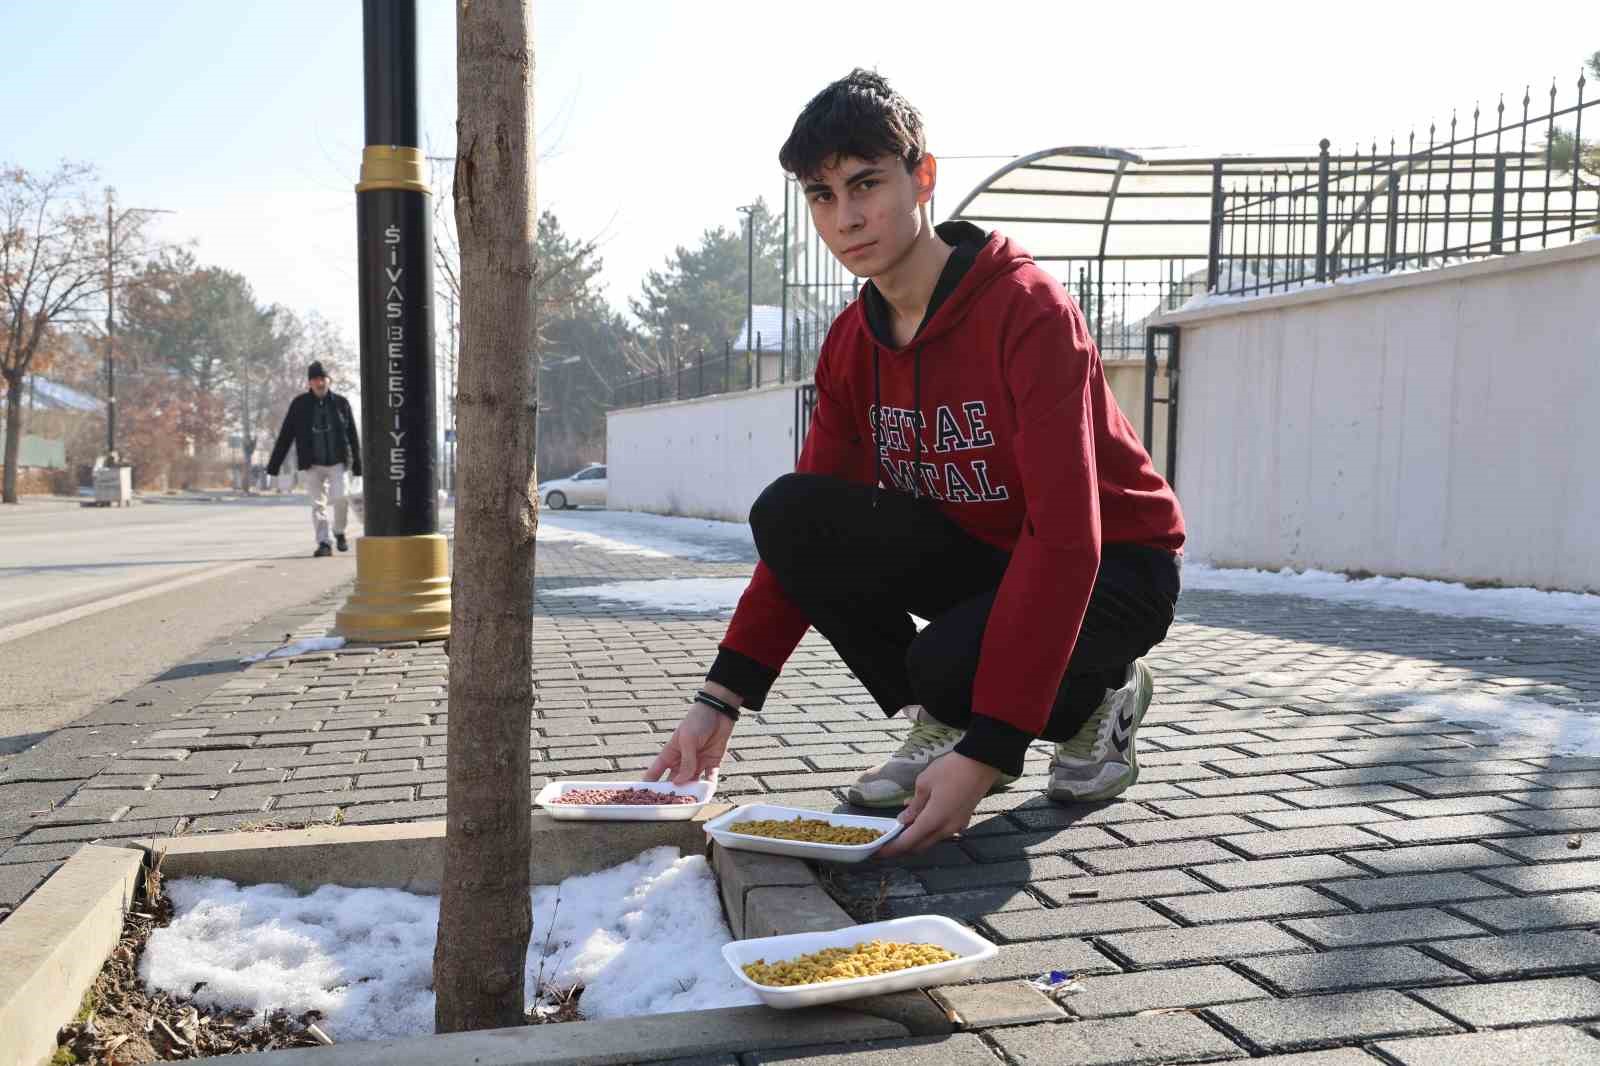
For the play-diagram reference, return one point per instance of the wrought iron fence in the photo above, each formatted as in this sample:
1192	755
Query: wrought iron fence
1506	185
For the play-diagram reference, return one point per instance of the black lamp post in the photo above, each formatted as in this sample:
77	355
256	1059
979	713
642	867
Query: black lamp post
402	569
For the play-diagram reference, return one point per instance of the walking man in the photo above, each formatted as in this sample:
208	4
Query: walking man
327	446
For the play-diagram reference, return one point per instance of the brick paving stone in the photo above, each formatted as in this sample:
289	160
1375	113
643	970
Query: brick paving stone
1301	841
1351	969
1004	1003
1583	819
1262	873
1352	795
1404	890
1164	1038
1173	741
1152	856
1431	858
1387	927
1522	954
1199	808
1504	1003
1142	885
1018	845
1555	1046
1234	765
1321	816
1033	958
987	874
1460	827
1084	918
964	904
1564	910
1033	814
395	812
1440	808
1159	831
1234	786
1547	877
1471	785
1554	847
1285	902
19	880
37	853
1313	1021
1210	943
1189	986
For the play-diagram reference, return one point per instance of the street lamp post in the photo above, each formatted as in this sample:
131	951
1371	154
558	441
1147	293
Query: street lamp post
749	212
402	563
113	220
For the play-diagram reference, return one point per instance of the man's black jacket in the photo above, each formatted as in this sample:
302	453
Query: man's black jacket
297	430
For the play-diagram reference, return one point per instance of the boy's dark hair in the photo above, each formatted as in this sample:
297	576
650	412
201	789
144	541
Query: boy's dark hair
859	116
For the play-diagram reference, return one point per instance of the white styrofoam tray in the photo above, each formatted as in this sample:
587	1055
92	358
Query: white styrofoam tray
951	935
702	791
717	829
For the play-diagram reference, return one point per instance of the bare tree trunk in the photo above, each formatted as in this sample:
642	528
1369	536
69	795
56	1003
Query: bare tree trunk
8	492
484	910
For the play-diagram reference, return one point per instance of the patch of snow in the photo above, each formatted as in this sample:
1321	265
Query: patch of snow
1570	730
644	937
650	536
1531	606
667	595
298	647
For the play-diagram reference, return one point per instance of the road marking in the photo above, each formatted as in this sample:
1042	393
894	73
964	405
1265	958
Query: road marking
50	621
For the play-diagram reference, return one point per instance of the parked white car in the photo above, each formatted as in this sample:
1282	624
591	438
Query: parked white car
587	486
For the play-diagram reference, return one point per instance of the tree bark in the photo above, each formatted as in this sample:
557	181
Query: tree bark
8	489
485	913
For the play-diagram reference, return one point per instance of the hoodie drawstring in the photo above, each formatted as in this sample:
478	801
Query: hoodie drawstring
878	433
916	422
877	426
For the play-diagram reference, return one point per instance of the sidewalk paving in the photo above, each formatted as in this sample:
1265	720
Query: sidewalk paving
1313	868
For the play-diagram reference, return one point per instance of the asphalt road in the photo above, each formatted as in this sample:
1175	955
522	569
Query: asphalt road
94	601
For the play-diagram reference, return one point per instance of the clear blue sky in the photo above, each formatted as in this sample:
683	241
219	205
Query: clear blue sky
657	117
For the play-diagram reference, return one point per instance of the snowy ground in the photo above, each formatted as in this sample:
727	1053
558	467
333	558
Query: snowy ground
642	938
650	536
670	595
1531	606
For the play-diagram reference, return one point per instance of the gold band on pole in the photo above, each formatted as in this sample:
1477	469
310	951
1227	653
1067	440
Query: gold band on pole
402	590
389	166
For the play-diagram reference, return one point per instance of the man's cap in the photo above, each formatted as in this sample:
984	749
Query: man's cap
316	371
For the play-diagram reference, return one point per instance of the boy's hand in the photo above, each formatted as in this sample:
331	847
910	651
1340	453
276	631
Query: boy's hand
696	748
947	793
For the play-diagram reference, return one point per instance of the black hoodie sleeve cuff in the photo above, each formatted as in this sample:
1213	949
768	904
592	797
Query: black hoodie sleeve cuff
743	675
995	743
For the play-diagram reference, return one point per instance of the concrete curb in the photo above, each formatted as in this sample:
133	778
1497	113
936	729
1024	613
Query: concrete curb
55	944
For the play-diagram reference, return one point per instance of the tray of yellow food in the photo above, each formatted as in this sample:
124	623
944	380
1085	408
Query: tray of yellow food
808	969
802	833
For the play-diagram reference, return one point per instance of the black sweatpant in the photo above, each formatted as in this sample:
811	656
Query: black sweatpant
859	571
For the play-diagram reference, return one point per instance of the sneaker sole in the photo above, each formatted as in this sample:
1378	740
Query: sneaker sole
857	800
1146	692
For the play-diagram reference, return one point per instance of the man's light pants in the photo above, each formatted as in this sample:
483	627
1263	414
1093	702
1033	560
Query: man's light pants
321	483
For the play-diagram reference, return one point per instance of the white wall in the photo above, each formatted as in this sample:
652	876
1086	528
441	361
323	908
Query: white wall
1439	424
706	458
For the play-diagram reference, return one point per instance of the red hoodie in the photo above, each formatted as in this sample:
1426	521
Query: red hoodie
1021	444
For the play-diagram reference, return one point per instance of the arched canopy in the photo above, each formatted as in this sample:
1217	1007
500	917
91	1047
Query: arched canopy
1097	203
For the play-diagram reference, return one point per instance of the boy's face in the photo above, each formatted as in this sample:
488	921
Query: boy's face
869	211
